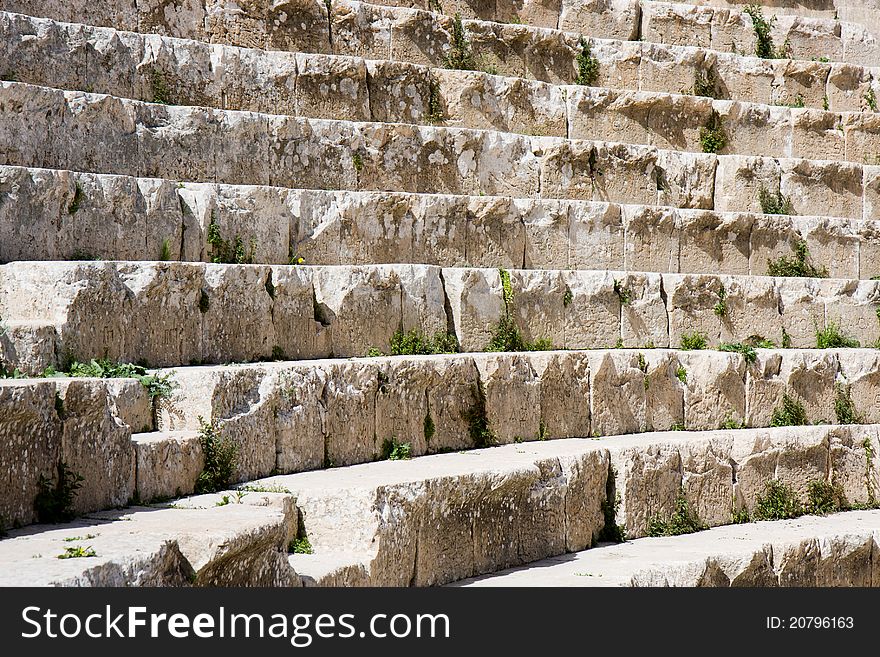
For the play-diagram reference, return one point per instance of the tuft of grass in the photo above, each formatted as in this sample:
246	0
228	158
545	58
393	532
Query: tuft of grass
623	293
705	83
478	421
748	352
393	450
77	552
357	161
799	102
460	55
712	135
159	88
832	337
790	413
568	297
844	408
681	374
435	114
759	342
300	545
72	208
730	422
786	339
414	342
220	458
54	500
796	265
871	99
824	497
226	252
777	502
764	46
739	516
683	520
693	341
774	202
165	250
506	336
720	308
587	64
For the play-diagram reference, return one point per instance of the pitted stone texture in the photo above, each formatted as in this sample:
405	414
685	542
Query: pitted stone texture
234	545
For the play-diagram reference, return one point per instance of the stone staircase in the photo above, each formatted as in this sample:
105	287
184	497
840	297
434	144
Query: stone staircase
344	294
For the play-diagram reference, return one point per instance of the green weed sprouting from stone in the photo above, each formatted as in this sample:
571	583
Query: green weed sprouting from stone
677	426
786	339
777	502
739	516
824	498
478	421
159	386
611	531
869	471
720	308
54	500
460	55
394	450
774	202
759	342
357	161
623	293
705	83
165	250
790	413
747	351
731	422
797	265
159	88
693	341
77	552
832	337
825	104
435	104
764	46
226	252
587	64
414	343
220	453
568	297
799	102
844	407
712	136
72	208
681	374
300	545
871	99
683	520
506	335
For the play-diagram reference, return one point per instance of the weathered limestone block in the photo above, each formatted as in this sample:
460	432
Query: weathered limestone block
476	100
31	432
664	389
859	374
557	232
643	317
595	236
131	403
711	241
619	397
862	137
847	87
653	238
309	154
257	216
872	192
832	243
299	326
799	82
826	188
619	64
477	302
564	392
256	81
859	45
714	389
401	92
167	464
664	68
332	87
738	180
29	346
677	24
807	376
26	142
617	19
592	315
96	445
754	129
538	308
772	237
288	25
868	237
818	135
299	417
184	18
685	180
852	307
854	462
512	392
121	15
796	457
495	231
751	79
363	30
802	317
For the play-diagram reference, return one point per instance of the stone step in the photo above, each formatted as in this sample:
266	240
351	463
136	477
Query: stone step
125	218
106	134
364	30
151	68
169	314
837	550
239	544
290	417
438	519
